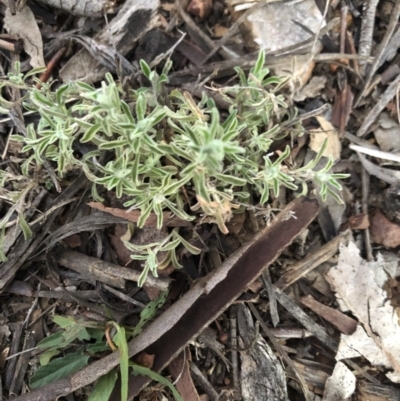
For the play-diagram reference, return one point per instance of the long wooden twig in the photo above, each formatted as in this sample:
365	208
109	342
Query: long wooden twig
208	298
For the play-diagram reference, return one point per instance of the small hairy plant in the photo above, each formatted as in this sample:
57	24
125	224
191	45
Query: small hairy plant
152	149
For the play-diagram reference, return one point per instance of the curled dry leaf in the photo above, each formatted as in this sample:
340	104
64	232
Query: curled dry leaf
200	8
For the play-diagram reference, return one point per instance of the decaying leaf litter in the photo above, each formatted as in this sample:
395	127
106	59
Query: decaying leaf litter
277	298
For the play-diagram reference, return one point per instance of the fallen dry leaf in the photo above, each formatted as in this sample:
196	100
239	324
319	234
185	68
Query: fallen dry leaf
383	231
359	288
23	25
387	135
329	132
312	89
359	221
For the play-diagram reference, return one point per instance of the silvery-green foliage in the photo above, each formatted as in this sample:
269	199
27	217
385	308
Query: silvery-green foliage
150	151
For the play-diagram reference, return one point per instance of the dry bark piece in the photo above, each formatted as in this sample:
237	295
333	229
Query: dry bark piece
105	272
262	376
383	231
209	297
135	18
314	374
85	8
343	323
377	392
312	260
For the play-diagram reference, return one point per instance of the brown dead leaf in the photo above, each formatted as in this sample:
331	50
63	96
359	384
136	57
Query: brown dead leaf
383	231
145	360
23	25
180	372
73	241
359	221
220	31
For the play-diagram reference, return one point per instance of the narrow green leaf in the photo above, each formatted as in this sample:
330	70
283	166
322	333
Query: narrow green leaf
145	69
104	386
240	182
58	368
46	356
141	370
120	341
24	226
90	133
54	340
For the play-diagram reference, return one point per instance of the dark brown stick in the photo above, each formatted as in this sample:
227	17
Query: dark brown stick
208	298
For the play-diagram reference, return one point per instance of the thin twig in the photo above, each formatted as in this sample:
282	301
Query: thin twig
379	54
367	30
364	200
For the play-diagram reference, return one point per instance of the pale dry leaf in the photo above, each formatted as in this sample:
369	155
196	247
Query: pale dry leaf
326	132
360	344
340	385
312	89
23	25
282	32
358	285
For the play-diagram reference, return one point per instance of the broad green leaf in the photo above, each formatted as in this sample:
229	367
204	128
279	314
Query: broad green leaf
58	368
142	371
97	347
104	386
63	321
54	340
